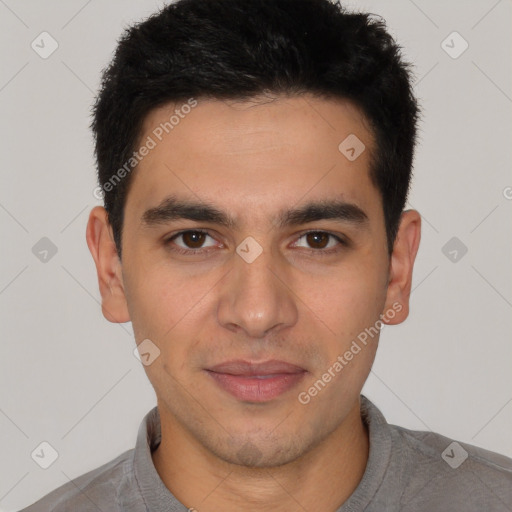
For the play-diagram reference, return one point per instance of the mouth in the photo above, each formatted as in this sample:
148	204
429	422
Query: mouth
256	382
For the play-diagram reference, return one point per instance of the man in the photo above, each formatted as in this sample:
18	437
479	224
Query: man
255	159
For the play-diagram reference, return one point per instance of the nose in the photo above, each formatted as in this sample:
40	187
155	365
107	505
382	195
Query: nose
255	298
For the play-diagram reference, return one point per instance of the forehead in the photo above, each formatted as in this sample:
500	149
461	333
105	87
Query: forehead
255	156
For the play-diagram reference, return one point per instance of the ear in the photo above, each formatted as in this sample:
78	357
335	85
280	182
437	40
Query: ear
108	266
401	265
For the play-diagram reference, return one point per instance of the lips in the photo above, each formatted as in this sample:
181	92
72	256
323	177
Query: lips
248	369
256	382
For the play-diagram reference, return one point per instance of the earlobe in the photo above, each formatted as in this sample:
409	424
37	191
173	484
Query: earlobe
108	267
401	267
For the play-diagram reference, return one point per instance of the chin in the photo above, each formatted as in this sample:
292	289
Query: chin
254	452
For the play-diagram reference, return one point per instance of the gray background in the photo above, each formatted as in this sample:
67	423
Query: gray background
69	377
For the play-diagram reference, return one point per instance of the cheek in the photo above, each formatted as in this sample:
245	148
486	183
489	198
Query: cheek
152	304
348	299
159	294
169	309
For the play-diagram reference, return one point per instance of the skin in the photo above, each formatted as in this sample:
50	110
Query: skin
251	160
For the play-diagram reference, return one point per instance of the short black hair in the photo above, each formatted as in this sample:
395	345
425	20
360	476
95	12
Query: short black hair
241	49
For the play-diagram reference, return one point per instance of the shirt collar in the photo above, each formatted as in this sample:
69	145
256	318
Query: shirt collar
380	443
154	493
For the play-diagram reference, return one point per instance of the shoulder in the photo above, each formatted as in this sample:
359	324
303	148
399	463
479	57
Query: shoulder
93	490
444	472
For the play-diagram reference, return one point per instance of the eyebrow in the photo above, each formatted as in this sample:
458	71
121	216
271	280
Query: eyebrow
172	208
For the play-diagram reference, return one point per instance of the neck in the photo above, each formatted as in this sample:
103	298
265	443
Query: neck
321	479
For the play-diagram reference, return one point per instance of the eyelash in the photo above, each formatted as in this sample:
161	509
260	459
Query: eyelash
318	252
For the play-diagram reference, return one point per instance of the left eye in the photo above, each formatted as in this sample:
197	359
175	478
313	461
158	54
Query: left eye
319	240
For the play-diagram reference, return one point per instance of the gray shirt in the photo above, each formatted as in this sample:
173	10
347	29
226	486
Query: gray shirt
407	470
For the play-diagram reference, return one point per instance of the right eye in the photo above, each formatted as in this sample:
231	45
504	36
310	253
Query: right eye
192	241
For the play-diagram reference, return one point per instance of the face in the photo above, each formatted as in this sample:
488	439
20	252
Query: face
250	238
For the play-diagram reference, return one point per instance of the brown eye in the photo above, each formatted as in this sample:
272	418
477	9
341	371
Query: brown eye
193	239
317	240
320	241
